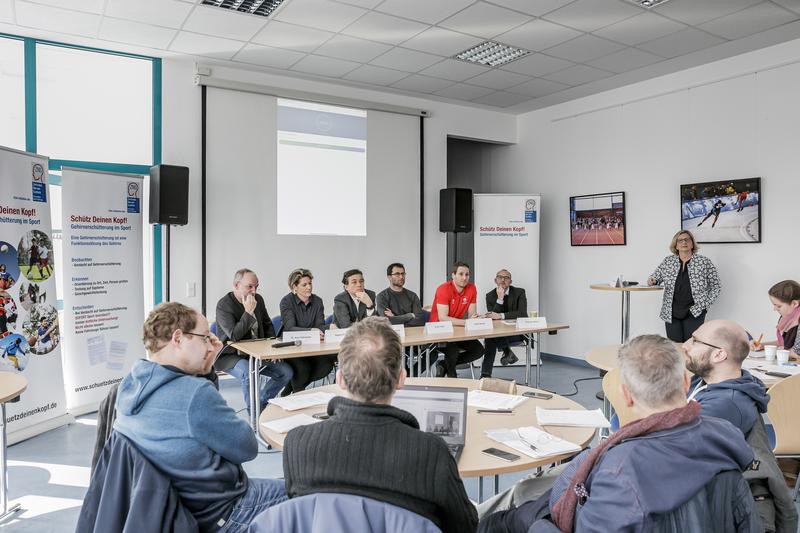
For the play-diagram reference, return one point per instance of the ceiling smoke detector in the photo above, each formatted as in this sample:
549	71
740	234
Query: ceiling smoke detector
491	54
648	4
262	8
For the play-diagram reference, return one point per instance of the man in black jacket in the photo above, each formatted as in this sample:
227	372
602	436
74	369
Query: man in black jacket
361	447
241	315
355	302
503	302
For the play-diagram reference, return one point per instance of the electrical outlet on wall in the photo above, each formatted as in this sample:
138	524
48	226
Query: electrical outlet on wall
191	289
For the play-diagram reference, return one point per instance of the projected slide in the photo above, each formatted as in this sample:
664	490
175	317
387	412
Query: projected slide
322	169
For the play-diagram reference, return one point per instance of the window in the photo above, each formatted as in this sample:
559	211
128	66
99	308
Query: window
12	93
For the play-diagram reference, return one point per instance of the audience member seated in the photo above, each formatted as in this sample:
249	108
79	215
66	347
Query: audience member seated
785	298
503	302
242	315
398	304
301	310
714	354
182	424
455	301
650	467
369	448
355	303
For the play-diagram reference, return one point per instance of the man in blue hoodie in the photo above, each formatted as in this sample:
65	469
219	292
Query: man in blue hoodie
181	423
714	354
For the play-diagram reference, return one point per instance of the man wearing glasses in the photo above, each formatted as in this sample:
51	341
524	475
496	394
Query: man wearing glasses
503	302
398	304
242	315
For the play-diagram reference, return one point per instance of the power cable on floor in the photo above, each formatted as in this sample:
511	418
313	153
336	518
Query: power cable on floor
575	386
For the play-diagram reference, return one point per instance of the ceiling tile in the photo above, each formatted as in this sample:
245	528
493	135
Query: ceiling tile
423	84
590	15
641	28
58	20
126	31
345	47
578	75
87	6
223	23
462	91
205	45
749	21
268	56
452	69
625	60
291	36
498	79
407	60
794	5
501	99
532	7
441	42
538	35
538	87
167	13
6	15
325	66
695	12
681	42
537	65
584	48
320	14
384	28
376	75
423	10
368	4
484	20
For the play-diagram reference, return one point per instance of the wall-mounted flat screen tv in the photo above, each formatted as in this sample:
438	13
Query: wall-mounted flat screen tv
722	211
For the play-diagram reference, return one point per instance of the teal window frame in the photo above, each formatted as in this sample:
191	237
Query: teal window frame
56	164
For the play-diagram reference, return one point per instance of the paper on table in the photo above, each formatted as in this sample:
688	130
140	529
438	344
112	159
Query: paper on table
493	400
532	441
786	369
301	401
284	425
573	418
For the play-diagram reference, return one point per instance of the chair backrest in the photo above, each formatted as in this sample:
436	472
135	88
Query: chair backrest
426	315
329	320
340	513
611	383
784	397
277	323
213	328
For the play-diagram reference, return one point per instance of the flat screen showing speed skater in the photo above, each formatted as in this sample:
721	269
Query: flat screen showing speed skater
722	211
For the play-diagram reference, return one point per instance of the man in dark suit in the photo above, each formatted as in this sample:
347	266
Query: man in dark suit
241	315
355	303
504	302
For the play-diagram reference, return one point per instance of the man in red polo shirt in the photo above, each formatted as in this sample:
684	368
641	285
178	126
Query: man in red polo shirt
455	301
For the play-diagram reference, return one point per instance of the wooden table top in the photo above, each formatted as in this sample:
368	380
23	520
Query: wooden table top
415	336
634	288
11	386
603	357
472	462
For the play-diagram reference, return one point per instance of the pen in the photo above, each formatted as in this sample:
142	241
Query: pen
496	411
757	344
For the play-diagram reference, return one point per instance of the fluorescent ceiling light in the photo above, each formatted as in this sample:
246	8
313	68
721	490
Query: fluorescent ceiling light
262	8
491	54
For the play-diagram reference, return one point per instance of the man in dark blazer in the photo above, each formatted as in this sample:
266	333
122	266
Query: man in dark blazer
242	315
355	303
504	302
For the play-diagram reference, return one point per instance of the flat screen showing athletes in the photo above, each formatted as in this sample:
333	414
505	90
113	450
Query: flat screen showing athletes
322	156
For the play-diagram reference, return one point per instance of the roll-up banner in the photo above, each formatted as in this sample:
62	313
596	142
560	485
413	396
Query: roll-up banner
103	280
30	334
506	235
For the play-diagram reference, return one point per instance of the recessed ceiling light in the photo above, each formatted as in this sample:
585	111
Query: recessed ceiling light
491	54
262	8
649	4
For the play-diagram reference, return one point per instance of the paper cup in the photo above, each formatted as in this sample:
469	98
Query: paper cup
783	357
769	352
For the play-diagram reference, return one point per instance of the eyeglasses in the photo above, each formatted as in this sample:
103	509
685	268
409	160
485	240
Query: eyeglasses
695	339
503	277
398	273
206	338
685	239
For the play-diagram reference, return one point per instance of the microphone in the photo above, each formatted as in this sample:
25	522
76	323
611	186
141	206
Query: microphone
286	344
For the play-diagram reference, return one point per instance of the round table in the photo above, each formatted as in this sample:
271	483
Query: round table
11	386
603	358
626	303
472	462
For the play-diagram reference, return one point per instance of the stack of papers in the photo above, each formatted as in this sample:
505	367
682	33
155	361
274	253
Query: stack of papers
785	369
532	441
493	400
284	425
572	418
301	401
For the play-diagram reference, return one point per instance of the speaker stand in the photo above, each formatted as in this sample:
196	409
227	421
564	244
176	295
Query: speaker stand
166	262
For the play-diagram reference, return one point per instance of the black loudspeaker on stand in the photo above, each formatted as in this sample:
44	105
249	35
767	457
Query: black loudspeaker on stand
455	213
169	203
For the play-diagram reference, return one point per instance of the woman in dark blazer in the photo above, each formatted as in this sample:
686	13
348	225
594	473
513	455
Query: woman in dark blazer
301	310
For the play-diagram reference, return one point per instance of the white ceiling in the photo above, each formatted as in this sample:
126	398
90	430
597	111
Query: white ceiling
579	47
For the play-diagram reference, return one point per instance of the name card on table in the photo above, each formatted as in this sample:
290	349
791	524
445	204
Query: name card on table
531	322
335	336
439	328
306	337
478	324
400	329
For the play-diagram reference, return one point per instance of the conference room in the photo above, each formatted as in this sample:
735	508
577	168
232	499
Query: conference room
533	181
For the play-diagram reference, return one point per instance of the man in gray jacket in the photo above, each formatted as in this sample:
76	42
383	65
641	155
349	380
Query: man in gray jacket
355	303
398	304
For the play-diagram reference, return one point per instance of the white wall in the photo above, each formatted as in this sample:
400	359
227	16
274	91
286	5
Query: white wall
734	118
181	146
